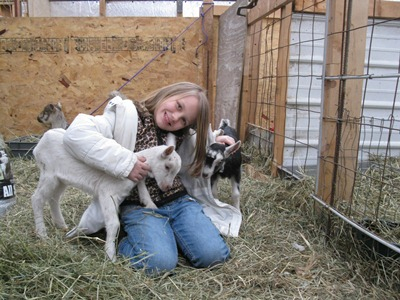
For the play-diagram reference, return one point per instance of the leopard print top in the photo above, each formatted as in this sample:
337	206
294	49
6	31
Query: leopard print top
149	135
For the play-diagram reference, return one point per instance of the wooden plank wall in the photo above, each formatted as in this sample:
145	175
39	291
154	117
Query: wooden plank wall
78	61
259	33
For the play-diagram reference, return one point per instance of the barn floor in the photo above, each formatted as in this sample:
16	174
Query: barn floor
281	253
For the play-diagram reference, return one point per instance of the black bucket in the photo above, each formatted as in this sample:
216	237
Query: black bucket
7	186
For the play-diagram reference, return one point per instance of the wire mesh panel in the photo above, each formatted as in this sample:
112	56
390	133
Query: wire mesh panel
375	201
302	99
304	92
322	96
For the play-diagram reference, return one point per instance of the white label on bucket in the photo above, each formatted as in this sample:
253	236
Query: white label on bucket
8	191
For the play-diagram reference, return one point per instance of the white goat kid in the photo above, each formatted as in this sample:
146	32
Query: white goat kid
58	169
52	116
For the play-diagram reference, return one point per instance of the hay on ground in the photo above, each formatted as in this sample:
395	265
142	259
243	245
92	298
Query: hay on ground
281	253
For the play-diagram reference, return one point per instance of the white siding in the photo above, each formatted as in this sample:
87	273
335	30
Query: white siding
304	91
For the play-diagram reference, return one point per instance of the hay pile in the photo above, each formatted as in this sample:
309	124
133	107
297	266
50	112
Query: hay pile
281	254
376	199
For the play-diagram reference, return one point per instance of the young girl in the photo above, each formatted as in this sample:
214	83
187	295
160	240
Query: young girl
108	142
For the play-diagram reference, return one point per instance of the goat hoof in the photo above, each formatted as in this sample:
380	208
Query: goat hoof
41	235
63	228
112	256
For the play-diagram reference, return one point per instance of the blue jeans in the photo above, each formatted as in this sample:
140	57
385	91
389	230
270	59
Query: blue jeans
154	236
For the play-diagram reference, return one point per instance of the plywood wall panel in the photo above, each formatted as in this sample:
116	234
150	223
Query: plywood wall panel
78	61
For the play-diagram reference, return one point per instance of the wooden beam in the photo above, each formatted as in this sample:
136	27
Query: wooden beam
281	89
310	6
208	76
384	9
102	8
328	133
377	8
255	71
17	8
264	8
220	9
341	101
350	135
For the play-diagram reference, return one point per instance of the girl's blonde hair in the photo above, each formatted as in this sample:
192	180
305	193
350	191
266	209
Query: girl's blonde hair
185	89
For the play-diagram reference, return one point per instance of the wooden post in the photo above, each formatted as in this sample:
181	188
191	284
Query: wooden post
354	65
208	76
341	100
265	7
102	8
17	8
281	88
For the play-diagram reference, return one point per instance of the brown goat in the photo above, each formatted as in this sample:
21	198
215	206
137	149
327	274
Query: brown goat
52	116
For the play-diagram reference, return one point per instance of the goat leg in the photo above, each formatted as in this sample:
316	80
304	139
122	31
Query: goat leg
145	196
235	193
45	192
55	209
110	214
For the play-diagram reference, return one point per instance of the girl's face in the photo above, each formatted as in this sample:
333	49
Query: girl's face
176	113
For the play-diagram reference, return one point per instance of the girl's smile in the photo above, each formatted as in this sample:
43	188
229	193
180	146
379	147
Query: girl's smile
176	112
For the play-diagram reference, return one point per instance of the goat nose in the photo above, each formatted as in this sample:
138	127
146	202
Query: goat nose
165	187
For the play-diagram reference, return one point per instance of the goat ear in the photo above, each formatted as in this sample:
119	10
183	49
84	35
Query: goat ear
218	132
232	148
210	135
52	107
168	151
59	105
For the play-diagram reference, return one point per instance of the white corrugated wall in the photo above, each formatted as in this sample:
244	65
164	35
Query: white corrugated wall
304	91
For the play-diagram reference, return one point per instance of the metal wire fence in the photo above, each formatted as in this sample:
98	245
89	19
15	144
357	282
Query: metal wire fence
321	96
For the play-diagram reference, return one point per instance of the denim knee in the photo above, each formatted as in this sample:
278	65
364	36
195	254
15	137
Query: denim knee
151	263
211	255
160	263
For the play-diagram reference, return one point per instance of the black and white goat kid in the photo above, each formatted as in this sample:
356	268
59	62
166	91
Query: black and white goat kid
224	161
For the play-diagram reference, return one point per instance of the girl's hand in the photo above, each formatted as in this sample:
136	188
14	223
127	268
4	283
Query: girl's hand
225	139
140	170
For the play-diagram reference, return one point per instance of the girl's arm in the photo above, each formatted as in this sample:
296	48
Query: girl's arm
91	140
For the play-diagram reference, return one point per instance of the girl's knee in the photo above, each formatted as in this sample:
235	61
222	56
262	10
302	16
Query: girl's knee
160	263
152	263
211	256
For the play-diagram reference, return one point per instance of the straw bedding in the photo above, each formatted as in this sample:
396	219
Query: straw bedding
282	253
